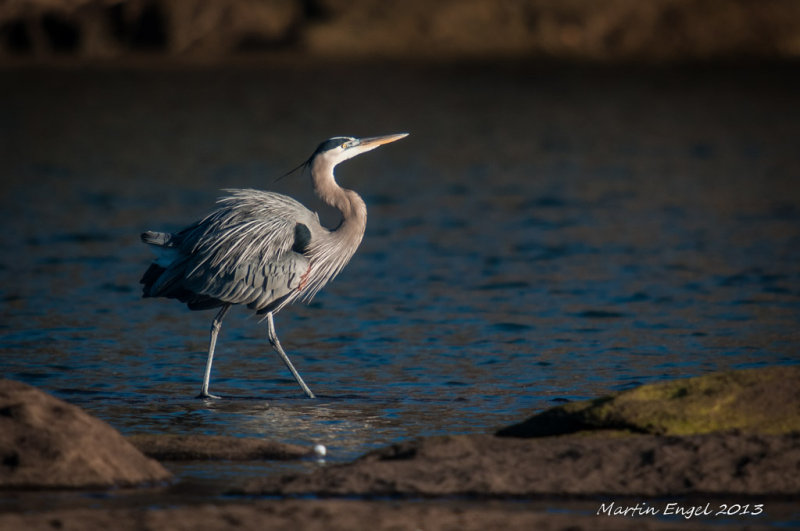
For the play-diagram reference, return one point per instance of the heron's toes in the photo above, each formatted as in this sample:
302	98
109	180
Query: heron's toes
205	395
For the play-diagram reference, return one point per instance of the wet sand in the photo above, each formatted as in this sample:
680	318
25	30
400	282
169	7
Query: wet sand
353	514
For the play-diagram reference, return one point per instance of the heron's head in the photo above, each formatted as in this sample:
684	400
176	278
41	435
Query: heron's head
340	148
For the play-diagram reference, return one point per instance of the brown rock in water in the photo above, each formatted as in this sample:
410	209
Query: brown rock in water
489	466
207	447
47	443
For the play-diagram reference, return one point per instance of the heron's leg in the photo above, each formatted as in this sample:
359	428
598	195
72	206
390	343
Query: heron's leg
273	340
216	324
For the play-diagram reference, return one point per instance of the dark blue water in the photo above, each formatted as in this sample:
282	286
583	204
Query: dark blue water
545	234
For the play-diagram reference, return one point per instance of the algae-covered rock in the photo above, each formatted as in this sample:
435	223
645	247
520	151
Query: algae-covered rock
765	401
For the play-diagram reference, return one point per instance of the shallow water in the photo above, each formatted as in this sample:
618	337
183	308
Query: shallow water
545	234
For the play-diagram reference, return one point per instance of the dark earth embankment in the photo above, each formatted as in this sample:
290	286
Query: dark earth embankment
609	30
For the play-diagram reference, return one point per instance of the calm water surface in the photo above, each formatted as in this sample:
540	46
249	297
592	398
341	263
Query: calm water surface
545	234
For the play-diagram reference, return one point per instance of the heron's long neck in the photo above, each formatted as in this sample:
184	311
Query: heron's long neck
347	202
330	251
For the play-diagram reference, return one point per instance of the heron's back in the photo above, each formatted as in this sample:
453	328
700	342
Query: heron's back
251	250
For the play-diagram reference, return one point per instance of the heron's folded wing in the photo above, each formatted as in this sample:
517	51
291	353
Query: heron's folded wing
250	250
253	283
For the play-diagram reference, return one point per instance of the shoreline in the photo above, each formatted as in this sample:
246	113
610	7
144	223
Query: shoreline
605	477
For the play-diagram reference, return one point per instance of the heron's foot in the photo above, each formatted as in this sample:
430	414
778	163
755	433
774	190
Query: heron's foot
206	394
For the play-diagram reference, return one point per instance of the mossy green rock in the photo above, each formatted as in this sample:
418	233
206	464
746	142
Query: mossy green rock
764	401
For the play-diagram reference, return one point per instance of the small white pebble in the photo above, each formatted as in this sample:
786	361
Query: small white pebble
320	450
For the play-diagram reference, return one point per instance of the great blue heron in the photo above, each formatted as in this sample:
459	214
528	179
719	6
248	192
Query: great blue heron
262	249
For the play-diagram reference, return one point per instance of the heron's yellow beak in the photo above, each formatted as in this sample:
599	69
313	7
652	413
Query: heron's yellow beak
357	146
376	141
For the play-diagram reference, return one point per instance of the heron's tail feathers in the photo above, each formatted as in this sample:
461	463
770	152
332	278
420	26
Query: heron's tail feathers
164	277
150	277
160	239
157	282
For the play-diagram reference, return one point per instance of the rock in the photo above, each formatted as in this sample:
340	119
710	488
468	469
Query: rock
47	443
765	401
335	515
204	447
726	433
489	466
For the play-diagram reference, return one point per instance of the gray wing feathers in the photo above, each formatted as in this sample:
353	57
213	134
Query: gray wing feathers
241	253
254	284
